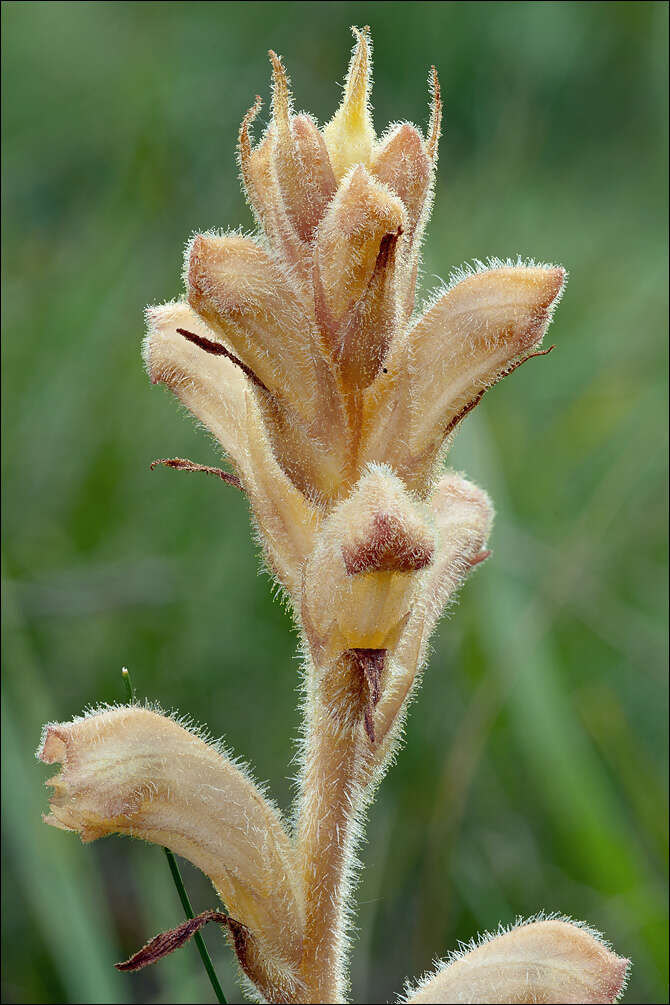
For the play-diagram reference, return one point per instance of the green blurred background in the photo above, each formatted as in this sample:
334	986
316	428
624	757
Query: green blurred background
534	771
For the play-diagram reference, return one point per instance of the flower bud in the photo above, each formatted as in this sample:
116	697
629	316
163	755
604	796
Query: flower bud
402	164
476	332
364	570
373	324
461	515
541	961
407	164
262	189
355	275
302	166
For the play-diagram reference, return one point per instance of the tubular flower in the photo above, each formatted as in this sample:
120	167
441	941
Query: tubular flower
299	350
133	771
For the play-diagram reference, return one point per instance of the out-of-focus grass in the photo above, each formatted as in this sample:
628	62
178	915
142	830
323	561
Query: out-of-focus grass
534	771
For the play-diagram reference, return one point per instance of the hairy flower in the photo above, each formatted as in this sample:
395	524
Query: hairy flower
131	770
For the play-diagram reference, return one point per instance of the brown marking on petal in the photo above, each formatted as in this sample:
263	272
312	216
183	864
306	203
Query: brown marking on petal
389	548
365	338
387	248
216	349
369	725
165	943
480	394
435	124
371	664
182	464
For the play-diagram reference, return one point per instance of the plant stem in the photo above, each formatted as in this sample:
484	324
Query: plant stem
179	883
199	941
125	674
332	802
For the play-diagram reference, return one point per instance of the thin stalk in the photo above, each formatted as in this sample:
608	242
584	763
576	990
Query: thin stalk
179	883
332	801
198	939
125	675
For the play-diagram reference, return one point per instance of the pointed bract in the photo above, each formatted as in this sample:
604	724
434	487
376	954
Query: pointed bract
242	295
350	135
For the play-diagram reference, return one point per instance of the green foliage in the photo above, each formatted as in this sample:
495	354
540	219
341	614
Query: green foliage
533	775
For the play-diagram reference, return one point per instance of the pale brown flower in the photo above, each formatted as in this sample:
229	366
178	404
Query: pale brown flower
133	771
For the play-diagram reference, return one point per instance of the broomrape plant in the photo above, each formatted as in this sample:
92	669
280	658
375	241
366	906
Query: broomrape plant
300	350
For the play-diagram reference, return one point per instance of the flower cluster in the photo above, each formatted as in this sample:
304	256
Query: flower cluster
300	350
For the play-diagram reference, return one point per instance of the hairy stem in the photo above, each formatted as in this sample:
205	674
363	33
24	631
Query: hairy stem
332	799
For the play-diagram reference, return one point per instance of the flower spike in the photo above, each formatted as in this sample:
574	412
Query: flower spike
298	349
